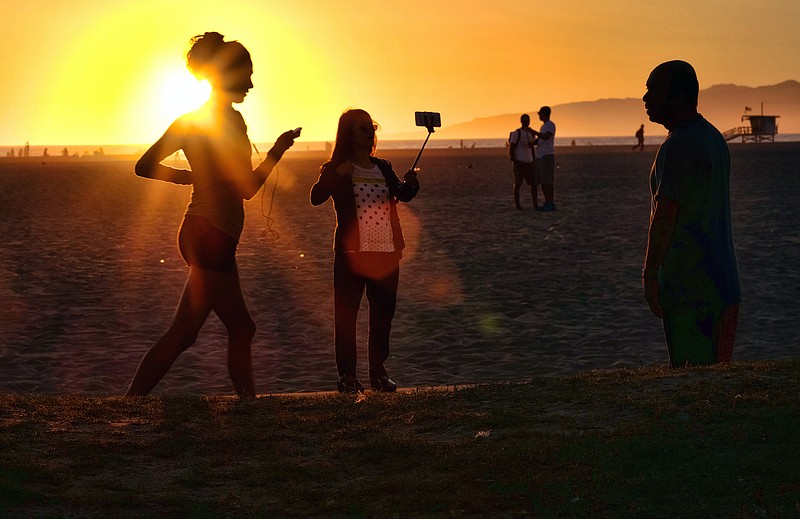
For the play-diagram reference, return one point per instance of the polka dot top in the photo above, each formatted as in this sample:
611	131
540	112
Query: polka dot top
372	207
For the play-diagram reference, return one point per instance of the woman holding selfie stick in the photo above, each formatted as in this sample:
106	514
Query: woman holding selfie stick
215	142
368	244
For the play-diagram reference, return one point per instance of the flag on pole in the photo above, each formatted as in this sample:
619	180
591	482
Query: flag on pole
747	109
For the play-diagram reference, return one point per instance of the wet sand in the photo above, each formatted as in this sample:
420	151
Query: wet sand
90	272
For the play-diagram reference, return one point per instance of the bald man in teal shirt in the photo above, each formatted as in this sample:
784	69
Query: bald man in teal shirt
690	276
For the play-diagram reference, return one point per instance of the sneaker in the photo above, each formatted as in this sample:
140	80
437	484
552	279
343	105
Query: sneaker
349	384
548	207
384	384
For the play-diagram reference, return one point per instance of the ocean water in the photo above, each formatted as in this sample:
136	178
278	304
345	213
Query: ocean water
500	143
389	144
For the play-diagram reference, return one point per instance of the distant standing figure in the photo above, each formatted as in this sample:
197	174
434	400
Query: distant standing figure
690	276
368	244
546	158
639	138
215	142
521	155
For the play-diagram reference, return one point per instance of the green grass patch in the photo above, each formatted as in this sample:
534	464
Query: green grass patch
705	442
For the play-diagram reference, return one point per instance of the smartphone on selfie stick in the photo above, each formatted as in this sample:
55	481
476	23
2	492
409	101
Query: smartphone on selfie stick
429	120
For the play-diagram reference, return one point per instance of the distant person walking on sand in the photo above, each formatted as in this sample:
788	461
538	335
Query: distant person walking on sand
215	143
639	138
368	244
521	155
546	158
690	276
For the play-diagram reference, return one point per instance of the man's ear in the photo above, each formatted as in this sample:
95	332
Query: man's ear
678	99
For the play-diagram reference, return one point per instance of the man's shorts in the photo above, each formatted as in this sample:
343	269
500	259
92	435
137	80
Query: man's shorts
526	170
700	337
546	169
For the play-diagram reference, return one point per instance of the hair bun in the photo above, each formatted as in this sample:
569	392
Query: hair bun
212	36
203	49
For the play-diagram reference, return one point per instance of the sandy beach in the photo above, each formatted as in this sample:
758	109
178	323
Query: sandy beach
90	272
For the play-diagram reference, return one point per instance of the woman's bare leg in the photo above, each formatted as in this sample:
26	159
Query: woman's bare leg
232	310
201	290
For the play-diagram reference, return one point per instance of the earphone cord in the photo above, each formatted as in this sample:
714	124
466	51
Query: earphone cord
269	231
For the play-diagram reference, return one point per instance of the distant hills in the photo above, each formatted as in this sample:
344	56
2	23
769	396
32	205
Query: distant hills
723	105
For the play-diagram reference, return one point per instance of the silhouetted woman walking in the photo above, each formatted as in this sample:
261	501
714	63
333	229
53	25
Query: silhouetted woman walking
215	142
368	244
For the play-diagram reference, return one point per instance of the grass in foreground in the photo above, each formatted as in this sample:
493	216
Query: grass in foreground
705	442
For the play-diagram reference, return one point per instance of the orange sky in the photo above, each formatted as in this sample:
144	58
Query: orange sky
112	71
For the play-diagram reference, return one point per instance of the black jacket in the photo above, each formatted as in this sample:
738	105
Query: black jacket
340	188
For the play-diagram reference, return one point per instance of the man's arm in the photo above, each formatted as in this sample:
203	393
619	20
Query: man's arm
659	240
512	145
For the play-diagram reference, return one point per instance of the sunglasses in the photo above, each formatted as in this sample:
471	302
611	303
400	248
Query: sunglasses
368	128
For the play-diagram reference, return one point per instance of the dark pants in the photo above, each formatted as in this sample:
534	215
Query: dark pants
378	272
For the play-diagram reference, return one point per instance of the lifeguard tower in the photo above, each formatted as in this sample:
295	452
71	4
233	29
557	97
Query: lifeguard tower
763	128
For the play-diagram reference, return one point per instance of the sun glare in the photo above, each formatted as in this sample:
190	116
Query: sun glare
181	92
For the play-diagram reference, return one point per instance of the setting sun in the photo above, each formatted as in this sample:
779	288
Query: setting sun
181	92
113	71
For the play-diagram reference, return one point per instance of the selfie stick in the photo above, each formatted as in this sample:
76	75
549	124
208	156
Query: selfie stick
430	131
